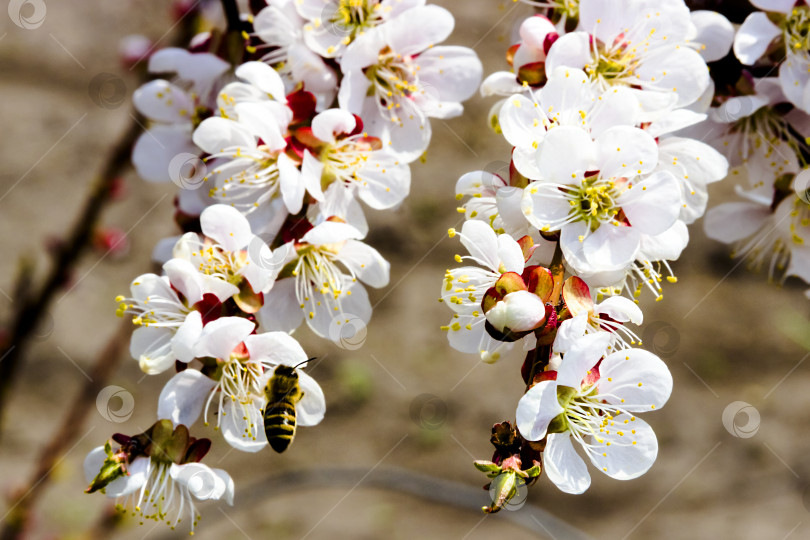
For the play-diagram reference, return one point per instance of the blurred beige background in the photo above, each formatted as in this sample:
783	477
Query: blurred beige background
727	336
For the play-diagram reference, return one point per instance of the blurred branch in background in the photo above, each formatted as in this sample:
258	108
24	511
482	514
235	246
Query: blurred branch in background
32	304
421	486
67	436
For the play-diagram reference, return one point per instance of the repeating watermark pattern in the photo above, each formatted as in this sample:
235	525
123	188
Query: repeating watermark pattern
334	22
801	185
521	491
187	170
44	329
741	419
498	168
260	254
115	404
661	338
200	481
27	14
348	331
107	90
738	108
428	411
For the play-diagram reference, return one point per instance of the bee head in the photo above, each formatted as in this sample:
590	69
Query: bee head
285	371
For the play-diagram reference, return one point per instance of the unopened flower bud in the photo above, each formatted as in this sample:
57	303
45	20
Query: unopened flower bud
114	466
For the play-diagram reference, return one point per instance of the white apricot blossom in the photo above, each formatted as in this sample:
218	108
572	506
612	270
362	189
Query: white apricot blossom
173	109
594	401
601	195
244	364
396	78
323	282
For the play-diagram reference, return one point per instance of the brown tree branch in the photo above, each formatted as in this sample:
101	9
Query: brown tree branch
66	437
427	488
33	306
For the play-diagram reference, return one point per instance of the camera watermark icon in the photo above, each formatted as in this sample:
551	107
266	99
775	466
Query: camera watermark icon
741	419
27	14
737	108
428	411
188	170
520	492
661	338
499	168
200	481
260	254
801	185
348	331
115	404
334	21
107	91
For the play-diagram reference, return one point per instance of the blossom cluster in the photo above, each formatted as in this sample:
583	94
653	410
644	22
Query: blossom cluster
606	173
759	118
276	155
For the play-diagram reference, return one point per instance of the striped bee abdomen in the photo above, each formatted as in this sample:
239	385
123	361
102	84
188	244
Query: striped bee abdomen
279	424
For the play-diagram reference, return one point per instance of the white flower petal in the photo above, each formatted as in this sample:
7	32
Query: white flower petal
519	311
571	50
312	407
563	466
275	348
291	184
183	397
482	243
162	101
155	149
220	337
733	221
653	204
227	226
200	480
754	37
581	357
366	262
578	148
451	74
326	124
536	409
151	346
634	380
714	32
330	232
186	337
281	309
418	29
620	309
242	424
626	152
626	456
611	247
217	134
262	77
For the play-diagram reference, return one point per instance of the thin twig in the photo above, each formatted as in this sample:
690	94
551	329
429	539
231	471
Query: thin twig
66	437
32	307
424	487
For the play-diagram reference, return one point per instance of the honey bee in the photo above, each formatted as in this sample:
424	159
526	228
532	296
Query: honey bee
283	393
